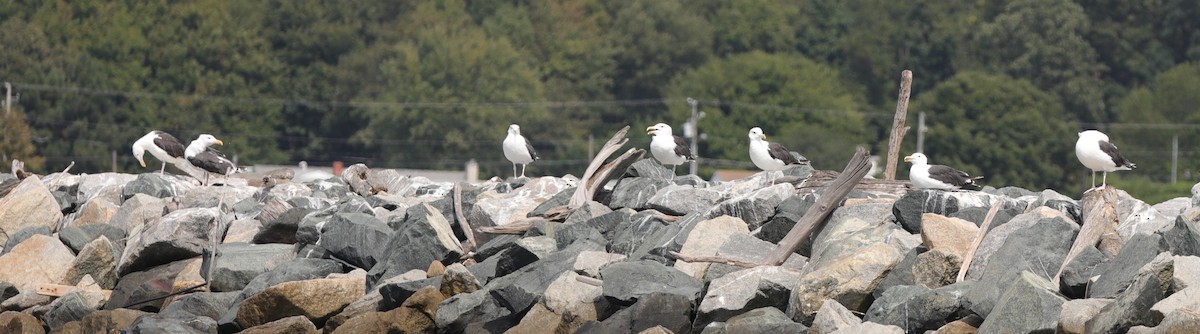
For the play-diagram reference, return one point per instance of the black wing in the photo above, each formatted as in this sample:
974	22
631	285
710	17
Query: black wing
213	163
681	148
168	143
1118	159
529	147
777	151
953	177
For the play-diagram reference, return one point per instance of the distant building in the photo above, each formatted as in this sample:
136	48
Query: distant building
731	174
305	173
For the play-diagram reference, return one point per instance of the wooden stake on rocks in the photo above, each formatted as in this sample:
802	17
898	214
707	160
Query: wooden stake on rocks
898	128
1099	227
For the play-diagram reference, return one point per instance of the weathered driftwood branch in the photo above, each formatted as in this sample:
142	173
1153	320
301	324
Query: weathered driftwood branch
898	128
515	227
714	259
1099	227
462	220
589	280
983	229
855	170
821	178
587	188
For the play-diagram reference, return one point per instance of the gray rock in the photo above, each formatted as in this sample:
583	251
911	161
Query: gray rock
649	169
589	263
209	197
629	235
394	292
671	311
97	259
1062	203
1077	276
742	291
1182	300
1010	191
1182	238
916	308
1118	273
1130	308
682	200
7	290
909	208
560	199
705	239
200	304
977	215
628	281
521	289
588	211
29	204
458	279
1076	313
1031	304
137	211
1179	322
455	313
763	320
76	237
635	192
420	241
158	185
18	237
359	239
146	285
997	237
1040	248
1187	272
848	229
787	213
238	263
493	208
901	274
157	323
72	306
496	245
870	327
831	317
179	235
99	210
746	248
848	280
1135	216
754	207
294	270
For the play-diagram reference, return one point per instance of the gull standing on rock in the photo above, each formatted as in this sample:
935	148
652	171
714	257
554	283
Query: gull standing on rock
769	156
166	148
1097	154
518	150
200	153
668	149
926	176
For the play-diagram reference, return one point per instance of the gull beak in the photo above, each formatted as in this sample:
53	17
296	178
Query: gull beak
908	159
650	130
140	161
219	142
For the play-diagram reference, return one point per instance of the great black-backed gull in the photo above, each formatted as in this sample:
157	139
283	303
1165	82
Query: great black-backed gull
518	150
769	156
201	154
668	149
1099	155
926	176
166	148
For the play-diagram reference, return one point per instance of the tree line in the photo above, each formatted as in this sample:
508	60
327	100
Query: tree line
1005	85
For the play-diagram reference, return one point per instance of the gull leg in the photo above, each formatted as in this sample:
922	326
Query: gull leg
514	169
163	169
1093	179
1104	181
523	167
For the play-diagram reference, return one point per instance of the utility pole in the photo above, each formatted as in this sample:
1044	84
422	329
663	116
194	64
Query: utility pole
921	132
1174	158
7	98
694	132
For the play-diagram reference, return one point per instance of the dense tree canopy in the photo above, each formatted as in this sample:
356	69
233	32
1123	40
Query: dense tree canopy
432	84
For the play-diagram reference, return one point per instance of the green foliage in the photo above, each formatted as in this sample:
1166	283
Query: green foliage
15	142
1149	191
1171	100
1002	128
822	123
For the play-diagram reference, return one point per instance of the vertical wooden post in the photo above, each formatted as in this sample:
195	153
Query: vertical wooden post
898	128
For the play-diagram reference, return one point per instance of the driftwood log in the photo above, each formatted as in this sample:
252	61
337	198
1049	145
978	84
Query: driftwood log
1099	227
462	220
898	128
983	229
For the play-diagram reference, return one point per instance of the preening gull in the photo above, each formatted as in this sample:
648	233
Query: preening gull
926	176
1099	155
518	150
166	148
668	149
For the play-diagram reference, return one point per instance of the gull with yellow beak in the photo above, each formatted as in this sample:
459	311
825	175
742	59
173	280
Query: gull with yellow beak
201	154
926	176
166	148
667	148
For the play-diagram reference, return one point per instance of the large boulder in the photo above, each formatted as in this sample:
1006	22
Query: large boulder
158	185
97	259
636	192
493	208
1118	273
566	305
238	263
359	239
742	291
671	311
1040	248
628	281
147	285
179	235
997	236
917	308
28	205
73	306
39	259
420	240
682	200
754	207
1076	313
96	211
849	229
849	280
138	210
316	299
910	207
1151	284
706	239
78	236
1031	304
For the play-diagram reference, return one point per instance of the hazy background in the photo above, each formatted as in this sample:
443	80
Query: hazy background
1005	85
